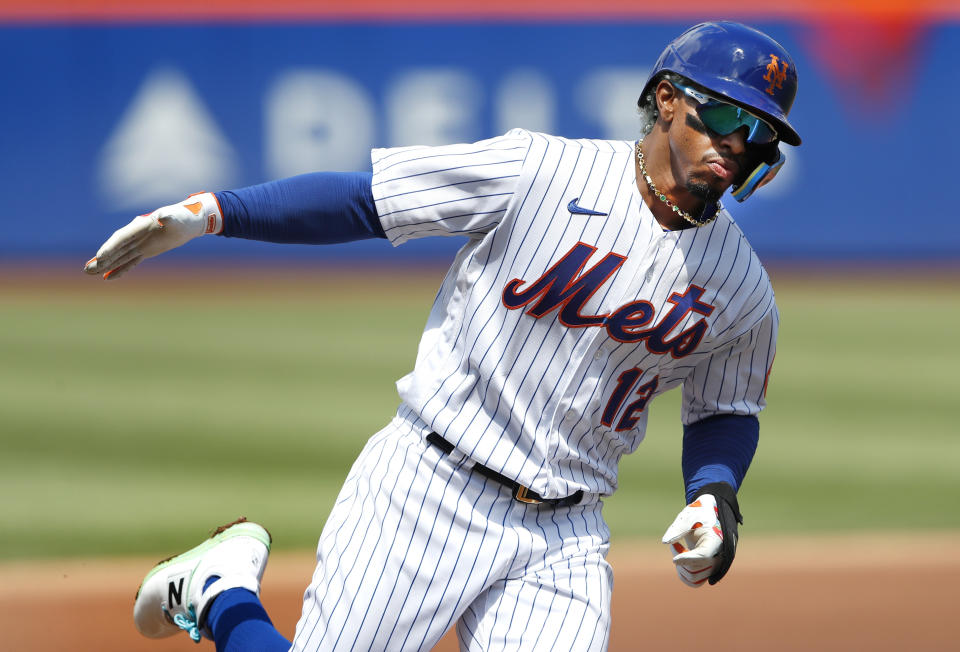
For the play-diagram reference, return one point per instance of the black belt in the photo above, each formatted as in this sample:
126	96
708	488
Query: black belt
521	493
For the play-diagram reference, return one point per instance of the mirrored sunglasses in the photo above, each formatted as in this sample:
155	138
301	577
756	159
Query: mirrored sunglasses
724	118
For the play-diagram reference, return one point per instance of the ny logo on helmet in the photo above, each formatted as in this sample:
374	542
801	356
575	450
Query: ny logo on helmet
775	75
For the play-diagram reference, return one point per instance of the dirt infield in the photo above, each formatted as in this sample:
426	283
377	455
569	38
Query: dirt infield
839	593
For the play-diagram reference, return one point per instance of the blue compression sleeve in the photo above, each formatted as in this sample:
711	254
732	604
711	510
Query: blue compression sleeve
317	208
718	449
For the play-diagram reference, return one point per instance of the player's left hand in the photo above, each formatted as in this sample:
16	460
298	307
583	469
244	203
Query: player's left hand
703	537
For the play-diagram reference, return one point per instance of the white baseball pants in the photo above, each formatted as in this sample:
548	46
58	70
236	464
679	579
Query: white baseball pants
417	542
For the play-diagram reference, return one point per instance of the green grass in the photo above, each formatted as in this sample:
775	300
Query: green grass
131	420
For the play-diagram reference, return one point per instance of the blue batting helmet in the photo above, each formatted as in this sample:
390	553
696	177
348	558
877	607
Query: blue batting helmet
739	63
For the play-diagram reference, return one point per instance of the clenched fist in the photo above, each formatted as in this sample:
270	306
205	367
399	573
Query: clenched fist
703	537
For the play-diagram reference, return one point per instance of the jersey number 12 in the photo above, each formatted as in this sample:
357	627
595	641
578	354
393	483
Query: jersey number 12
623	390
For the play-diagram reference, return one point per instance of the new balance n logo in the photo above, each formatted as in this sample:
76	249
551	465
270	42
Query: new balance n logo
175	593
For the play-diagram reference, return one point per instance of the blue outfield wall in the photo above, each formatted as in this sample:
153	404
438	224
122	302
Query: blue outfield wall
103	122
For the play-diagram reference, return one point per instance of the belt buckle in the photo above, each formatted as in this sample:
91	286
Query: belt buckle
522	494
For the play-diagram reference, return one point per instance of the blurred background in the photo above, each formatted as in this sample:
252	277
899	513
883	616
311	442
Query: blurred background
113	108
232	377
236	377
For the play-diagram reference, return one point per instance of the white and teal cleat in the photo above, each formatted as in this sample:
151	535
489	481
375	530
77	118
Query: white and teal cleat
172	596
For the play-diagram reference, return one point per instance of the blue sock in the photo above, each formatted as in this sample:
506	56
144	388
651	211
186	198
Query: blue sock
239	623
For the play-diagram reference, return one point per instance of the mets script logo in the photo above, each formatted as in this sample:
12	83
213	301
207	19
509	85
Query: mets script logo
775	75
564	287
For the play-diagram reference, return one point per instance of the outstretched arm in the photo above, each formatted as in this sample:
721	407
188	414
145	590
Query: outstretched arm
318	208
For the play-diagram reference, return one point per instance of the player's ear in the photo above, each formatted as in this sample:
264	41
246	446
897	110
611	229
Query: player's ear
667	97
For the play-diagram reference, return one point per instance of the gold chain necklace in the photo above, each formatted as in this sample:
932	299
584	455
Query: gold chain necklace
662	197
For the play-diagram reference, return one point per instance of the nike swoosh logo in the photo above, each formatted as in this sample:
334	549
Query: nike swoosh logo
579	210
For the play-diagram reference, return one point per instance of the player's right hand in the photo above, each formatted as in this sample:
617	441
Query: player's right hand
154	233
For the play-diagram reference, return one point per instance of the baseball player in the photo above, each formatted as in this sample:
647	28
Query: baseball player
596	275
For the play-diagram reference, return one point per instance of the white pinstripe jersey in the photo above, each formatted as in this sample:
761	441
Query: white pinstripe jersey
553	328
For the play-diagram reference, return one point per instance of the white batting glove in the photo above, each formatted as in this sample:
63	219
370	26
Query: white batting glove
152	234
695	539
703	538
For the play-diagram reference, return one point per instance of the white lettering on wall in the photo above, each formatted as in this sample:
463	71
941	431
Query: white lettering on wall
609	97
433	106
525	99
317	120
165	146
